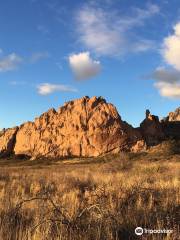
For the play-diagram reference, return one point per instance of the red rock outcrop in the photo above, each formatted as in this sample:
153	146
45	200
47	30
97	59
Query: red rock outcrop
152	129
174	116
84	127
7	141
171	125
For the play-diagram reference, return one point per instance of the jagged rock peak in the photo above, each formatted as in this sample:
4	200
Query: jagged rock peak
85	100
151	129
83	127
151	117
174	116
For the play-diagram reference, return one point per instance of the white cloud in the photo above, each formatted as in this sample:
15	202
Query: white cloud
162	74
169	90
10	62
167	81
48	88
39	56
83	66
171	48
108	33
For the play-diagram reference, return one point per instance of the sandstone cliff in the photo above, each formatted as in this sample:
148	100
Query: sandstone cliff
85	127
7	141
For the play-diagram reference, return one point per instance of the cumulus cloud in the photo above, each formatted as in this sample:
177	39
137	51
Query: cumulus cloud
107	33
48	88
171	48
83	66
167	75
167	81
10	62
39	56
169	90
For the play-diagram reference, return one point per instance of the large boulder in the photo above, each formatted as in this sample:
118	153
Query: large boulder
174	116
84	127
7	141
152	130
171	125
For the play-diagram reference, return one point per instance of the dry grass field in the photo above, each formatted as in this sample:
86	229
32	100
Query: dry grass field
103	198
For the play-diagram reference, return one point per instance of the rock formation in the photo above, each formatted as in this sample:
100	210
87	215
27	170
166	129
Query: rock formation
84	127
171	125
7	141
152	129
174	116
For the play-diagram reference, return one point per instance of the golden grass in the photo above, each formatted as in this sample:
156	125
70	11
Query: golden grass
90	199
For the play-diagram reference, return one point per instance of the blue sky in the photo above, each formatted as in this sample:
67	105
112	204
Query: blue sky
52	51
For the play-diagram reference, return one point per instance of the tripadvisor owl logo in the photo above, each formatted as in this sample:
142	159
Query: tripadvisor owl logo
139	231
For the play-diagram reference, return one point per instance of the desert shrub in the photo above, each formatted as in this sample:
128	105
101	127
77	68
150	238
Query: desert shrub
15	224
82	184
174	147
4	177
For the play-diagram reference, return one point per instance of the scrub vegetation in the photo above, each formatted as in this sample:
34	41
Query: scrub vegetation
102	198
